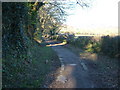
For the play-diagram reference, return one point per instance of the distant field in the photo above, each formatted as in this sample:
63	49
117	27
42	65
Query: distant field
91	32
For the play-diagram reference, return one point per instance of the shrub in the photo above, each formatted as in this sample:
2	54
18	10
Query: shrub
105	44
110	46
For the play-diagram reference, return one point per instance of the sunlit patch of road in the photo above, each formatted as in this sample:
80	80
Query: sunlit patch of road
63	43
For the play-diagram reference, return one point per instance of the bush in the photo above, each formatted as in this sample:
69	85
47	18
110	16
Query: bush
106	44
110	46
93	47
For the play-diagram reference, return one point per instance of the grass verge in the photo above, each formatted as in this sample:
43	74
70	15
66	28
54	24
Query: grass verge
28	71
42	58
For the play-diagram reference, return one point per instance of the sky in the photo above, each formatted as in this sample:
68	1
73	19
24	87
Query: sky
101	14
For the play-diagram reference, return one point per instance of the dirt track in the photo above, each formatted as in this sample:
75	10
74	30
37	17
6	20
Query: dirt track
74	73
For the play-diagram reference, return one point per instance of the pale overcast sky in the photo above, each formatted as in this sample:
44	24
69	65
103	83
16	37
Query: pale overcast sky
102	14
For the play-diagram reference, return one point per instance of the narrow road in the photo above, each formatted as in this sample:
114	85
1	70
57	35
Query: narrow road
73	72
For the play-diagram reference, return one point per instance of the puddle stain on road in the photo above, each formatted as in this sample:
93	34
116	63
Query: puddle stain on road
61	78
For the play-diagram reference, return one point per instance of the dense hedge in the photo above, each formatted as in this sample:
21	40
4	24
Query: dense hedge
12	34
110	46
15	41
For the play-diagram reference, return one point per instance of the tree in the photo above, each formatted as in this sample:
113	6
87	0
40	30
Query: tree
51	17
53	14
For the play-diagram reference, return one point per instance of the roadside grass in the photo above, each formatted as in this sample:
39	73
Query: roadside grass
42	58
28	70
